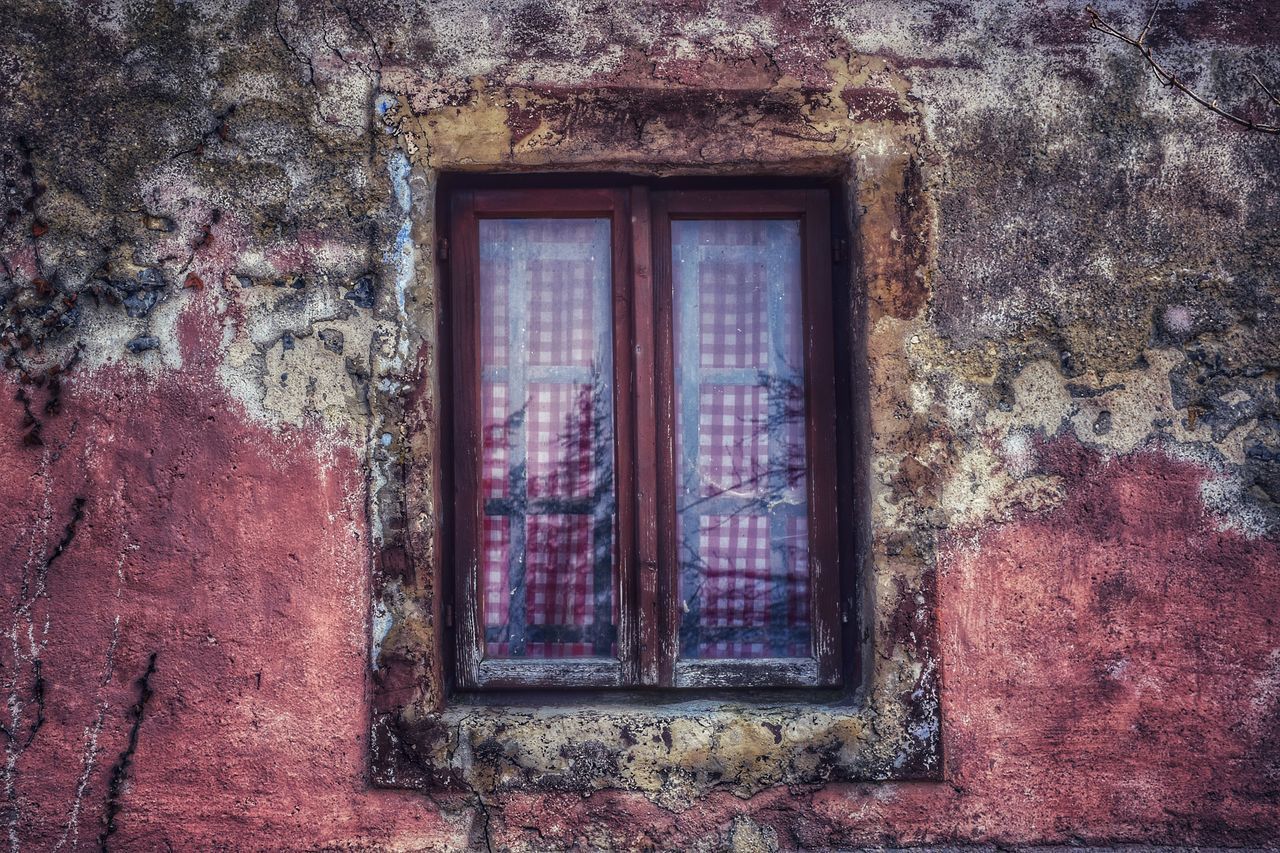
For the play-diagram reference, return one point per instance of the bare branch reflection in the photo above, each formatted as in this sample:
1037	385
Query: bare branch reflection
568	505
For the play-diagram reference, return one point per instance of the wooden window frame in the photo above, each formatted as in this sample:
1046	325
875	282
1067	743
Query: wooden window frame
644	437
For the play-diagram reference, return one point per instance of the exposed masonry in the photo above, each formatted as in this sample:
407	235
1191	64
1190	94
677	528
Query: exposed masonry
1054	253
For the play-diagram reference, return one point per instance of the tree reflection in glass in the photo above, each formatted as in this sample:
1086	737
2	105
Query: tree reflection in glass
547	452
740	439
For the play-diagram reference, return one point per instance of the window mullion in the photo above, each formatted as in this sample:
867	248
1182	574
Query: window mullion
646	450
667	613
625	408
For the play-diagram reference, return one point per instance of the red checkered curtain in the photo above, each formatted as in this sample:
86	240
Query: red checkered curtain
547	452
740	453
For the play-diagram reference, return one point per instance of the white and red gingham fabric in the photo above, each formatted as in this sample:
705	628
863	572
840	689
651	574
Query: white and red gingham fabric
558	440
794	550
494	465
733	439
495	330
545	281
558	587
745	574
495	551
561	313
733	329
558	569
735	552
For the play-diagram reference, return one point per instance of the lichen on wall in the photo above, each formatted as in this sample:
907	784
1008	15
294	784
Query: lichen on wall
218	320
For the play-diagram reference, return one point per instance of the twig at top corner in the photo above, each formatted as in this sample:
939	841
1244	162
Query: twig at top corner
1170	78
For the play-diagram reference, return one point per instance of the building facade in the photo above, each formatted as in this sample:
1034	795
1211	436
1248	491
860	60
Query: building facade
232	557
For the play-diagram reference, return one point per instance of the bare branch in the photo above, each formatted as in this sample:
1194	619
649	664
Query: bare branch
1154	9
1263	87
1170	78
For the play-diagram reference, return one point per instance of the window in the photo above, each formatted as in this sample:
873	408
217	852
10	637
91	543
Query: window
644	418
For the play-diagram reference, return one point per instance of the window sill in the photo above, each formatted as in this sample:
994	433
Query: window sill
672	751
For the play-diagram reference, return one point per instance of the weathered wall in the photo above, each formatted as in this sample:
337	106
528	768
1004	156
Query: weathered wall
207	253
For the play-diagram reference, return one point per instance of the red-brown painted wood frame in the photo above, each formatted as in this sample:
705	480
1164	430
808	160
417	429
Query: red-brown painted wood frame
647	573
812	208
473	671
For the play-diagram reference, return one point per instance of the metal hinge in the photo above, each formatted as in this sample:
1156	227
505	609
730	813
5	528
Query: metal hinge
448	615
839	250
442	250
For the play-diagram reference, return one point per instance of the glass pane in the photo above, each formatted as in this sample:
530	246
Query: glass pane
546	394
742	511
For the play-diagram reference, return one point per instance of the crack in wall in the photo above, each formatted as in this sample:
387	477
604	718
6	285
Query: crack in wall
120	770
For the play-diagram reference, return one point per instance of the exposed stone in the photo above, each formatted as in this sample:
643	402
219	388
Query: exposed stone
158	223
362	292
142	343
746	836
140	293
332	340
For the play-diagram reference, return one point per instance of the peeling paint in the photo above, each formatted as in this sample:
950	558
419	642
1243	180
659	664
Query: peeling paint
1064	300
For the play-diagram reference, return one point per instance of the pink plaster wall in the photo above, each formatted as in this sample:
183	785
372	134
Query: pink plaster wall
1109	665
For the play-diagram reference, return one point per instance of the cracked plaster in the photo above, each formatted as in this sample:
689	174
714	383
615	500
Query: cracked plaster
1059	238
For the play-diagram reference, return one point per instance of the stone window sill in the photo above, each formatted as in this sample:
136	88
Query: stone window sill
675	751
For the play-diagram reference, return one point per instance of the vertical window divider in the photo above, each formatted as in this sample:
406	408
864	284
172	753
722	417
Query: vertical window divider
668	612
646	461
624	447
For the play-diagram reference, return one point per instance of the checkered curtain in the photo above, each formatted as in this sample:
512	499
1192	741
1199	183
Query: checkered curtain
546	461
742	511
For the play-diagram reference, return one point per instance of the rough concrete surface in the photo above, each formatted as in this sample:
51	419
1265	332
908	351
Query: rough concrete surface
218	313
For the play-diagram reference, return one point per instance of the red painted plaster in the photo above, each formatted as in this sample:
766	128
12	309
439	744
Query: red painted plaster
1108	665
240	556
